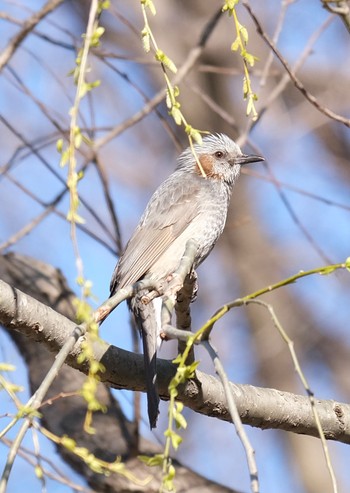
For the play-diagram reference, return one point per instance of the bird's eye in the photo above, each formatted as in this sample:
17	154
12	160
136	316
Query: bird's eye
219	154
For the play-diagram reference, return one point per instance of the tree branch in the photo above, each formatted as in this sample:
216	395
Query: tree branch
28	26
259	407
63	413
297	82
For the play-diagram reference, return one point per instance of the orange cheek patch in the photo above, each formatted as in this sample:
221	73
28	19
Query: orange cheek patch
207	164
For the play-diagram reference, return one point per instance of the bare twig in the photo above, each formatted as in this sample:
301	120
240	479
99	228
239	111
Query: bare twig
298	84
250	453
35	401
28	26
182	72
58	213
109	201
26	229
305	383
298	190
123	294
58	475
88	158
284	6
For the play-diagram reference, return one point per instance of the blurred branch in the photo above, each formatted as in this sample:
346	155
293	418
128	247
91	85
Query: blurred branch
60	214
298	190
182	72
298	84
339	7
109	201
49	208
28	26
278	29
310	394
260	407
89	156
230	398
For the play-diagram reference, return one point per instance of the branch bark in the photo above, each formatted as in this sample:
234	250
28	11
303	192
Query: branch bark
259	407
28	26
64	410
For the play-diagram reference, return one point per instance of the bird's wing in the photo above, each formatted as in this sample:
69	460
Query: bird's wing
169	212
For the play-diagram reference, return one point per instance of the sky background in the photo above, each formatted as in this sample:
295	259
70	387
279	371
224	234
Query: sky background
289	135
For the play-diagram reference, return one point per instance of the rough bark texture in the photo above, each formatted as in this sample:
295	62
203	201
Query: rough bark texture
115	435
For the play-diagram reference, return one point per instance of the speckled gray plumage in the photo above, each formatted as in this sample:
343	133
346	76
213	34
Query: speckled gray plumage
186	206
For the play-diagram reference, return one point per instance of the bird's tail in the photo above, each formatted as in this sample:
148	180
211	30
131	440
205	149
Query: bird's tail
146	318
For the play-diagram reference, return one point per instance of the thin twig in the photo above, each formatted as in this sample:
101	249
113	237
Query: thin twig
57	475
278	29
26	229
89	156
123	294
60	214
35	401
28	26
273	95
52	206
298	84
109	201
249	451
205	330
72	182
182	72
285	80
305	383
298	190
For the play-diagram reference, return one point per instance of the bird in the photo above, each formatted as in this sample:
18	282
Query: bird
191	204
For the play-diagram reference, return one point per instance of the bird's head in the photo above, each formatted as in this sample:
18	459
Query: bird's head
219	156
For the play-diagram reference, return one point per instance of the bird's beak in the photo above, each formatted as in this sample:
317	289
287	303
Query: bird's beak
246	159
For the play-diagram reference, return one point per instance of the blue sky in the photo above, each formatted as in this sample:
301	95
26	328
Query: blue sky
294	153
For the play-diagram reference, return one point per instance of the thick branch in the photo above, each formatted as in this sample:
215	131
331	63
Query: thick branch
264	408
65	410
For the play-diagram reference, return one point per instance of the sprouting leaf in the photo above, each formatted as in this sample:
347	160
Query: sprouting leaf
249	106
64	158
236	44
175	438
176	114
245	88
38	472
59	145
68	442
244	33
146	39
180	421
250	59
72	216
150	5
7	367
155	460
168	480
